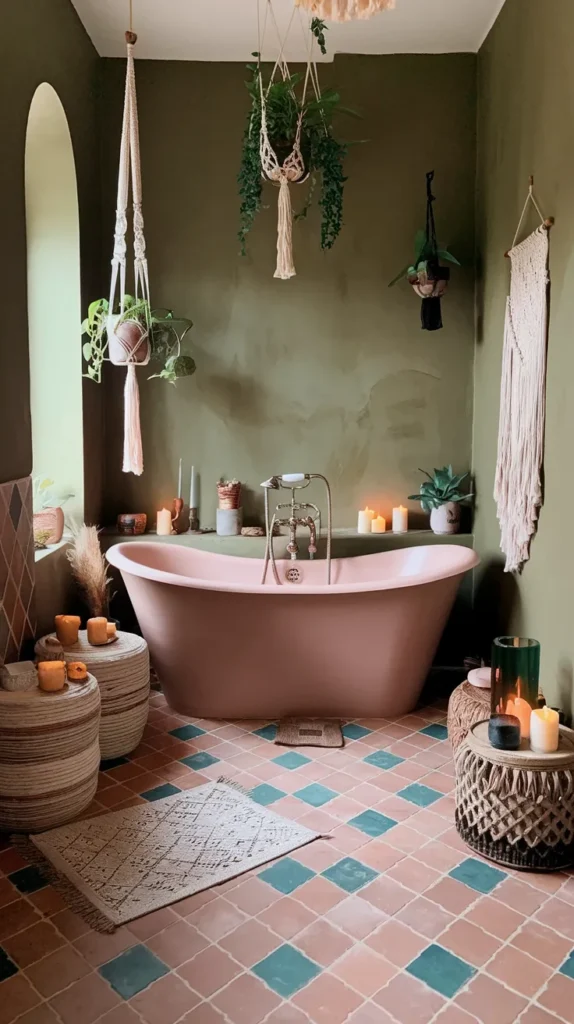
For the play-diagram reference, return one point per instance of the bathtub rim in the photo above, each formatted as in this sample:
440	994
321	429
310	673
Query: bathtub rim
116	556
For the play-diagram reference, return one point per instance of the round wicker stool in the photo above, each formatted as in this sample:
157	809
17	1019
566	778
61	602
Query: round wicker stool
516	807
49	755
122	671
468	705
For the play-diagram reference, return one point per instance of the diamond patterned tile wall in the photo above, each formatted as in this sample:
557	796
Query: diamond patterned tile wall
17	618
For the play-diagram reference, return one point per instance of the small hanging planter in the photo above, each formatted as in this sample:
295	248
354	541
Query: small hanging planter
428	278
345	10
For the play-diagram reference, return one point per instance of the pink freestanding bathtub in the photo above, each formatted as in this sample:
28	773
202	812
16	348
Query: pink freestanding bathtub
224	646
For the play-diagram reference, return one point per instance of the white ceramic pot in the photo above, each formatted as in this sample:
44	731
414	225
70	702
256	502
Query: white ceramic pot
446	519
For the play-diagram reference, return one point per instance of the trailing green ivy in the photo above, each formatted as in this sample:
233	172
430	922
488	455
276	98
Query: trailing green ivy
323	154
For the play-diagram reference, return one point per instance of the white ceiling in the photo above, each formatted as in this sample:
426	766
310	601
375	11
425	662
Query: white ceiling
227	29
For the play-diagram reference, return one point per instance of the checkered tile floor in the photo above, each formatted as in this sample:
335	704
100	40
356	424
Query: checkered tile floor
389	920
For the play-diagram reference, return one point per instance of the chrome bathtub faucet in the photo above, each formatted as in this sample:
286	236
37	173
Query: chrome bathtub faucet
296	518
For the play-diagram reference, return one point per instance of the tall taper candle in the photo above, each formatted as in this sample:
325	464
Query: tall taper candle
194	490
179	479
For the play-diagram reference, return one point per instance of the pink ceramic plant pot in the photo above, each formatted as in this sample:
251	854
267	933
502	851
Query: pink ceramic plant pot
129	343
52	520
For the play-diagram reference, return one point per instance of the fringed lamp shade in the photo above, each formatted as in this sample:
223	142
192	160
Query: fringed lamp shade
345	10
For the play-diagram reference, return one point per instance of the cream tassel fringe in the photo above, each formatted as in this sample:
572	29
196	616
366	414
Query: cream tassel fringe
133	450
345	10
285	266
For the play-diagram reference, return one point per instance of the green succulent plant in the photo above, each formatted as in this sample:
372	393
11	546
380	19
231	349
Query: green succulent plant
440	488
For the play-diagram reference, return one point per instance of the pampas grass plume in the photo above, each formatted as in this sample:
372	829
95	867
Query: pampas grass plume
89	568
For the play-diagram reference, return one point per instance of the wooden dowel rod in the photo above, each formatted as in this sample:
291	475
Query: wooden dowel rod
547	223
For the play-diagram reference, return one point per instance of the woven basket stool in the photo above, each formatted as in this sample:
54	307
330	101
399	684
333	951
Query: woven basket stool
467	705
122	671
49	755
516	807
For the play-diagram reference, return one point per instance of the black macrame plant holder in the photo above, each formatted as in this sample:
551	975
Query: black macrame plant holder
430	280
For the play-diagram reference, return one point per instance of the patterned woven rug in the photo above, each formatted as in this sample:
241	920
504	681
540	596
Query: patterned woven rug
117	866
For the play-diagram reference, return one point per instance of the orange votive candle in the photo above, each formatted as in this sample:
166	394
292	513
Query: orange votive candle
67	628
77	671
111	629
52	675
97	631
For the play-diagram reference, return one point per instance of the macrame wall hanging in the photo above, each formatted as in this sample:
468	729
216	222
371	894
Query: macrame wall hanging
518	484
129	339
345	10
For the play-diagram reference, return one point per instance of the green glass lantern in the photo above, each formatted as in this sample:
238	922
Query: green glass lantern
514	678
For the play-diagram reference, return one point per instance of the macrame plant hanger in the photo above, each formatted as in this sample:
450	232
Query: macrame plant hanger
518	483
292	170
129	337
345	10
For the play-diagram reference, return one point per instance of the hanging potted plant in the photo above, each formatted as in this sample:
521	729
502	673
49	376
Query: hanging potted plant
441	495
48	518
289	138
428	278
136	334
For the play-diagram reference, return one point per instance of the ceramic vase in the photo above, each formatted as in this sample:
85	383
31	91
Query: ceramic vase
51	519
446	518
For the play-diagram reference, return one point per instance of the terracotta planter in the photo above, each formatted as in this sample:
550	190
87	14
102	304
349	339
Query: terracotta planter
51	519
431	283
129	343
446	519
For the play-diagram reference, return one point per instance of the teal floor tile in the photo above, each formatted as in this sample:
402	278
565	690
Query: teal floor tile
315	794
372	823
266	794
420	795
268	732
438	732
478	875
199	760
187	732
27	880
286	875
567	967
112	762
351	731
160	792
349	874
7	968
132	971
291	760
382	759
441	970
286	970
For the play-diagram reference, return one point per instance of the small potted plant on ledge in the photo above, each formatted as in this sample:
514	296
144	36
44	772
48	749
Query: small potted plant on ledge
441	495
48	512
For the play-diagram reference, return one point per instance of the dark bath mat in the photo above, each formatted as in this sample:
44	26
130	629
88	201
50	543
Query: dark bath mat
309	732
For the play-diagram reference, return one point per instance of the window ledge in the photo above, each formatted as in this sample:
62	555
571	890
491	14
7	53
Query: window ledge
43	553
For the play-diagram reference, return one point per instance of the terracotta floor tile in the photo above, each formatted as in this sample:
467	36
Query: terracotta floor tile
454	1015
425	917
490	1002
438	855
347	839
177	943
536	1015
209	971
397	808
520	896
380	856
287	1014
217	918
33	943
58	970
356	917
97	948
317	856
113	796
322	942
11	860
250	943
469	942
452	895
7	892
519	971
150	924
122	1014
15	916
559	997
558	915
413	874
495	917
405	838
320	895
142	783
18	997
165	1001
408	1000
47	901
397	943
205	1013
246	1000
364	970
287	917
327	1000
386	894
253	896
542	943
84	1001
70	925
368	1013
41	1014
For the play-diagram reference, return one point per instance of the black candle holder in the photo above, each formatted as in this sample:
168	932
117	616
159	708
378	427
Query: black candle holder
504	732
194	521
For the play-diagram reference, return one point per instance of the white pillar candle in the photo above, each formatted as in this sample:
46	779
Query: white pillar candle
163	528
400	519
521	710
379	525
365	519
544	730
194	490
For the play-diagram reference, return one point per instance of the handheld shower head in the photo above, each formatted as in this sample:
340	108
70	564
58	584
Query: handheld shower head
272	484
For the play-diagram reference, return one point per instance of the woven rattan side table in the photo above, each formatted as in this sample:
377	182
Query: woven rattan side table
122	671
516	807
49	755
467	705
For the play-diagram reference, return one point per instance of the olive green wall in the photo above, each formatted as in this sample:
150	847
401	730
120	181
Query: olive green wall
43	41
526	94
329	372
